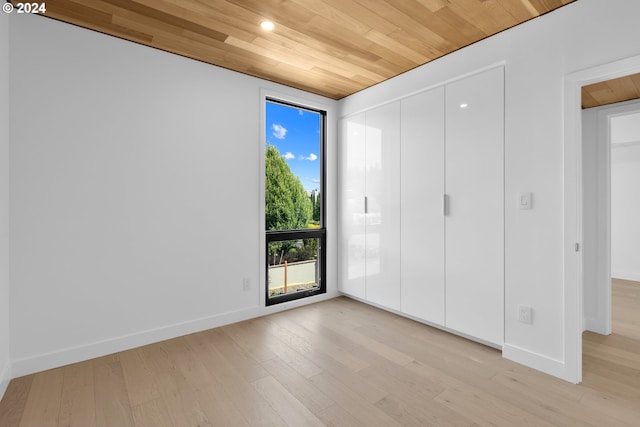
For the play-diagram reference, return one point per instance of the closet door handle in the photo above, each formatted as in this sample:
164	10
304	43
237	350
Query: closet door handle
366	204
445	205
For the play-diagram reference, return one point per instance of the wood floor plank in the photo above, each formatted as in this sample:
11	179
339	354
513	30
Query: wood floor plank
325	341
550	406
141	385
111	397
298	386
365	412
252	341
401	382
152	413
620	411
242	361
290	350
78	408
426	413
487	410
626	308
292	411
219	408
255	410
42	408
180	399
14	401
382	349
335	416
364	388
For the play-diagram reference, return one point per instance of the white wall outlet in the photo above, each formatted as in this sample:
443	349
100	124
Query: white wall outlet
525	314
246	284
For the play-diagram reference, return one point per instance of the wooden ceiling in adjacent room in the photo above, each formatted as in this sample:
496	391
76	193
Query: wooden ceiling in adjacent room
611	91
328	47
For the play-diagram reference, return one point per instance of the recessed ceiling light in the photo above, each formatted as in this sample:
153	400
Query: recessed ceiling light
267	25
463	105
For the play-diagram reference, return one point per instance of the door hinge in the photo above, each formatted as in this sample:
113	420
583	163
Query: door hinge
577	247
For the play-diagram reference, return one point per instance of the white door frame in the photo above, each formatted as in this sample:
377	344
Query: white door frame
573	262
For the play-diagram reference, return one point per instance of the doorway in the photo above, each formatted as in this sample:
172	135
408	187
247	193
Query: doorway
611	204
574	261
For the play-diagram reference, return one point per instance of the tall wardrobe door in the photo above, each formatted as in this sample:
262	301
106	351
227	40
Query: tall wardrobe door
422	189
383	205
352	268
475	218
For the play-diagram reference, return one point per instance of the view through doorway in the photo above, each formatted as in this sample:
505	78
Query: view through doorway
611	232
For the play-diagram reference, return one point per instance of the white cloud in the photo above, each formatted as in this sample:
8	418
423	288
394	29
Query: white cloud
311	157
279	131
288	155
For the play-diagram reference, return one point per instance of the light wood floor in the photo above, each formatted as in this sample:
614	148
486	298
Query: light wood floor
338	362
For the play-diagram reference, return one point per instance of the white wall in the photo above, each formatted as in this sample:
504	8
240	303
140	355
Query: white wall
625	129
5	368
537	54
625	198
135	194
595	235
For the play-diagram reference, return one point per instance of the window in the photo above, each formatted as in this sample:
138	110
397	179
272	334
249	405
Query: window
294	201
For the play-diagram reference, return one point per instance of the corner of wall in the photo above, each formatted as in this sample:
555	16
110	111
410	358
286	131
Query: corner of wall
542	363
5	377
5	359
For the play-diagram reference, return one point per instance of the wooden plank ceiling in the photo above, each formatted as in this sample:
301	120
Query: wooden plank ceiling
611	91
328	47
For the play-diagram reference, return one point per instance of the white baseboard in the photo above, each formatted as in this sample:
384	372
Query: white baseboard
5	377
536	361
55	359
625	275
595	325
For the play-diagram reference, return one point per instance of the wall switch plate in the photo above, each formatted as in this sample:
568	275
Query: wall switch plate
525	200
525	314
246	284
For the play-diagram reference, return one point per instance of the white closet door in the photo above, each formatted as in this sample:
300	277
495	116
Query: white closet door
422	189
475	222
352	229
383	205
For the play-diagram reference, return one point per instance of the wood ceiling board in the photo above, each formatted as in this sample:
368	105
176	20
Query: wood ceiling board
406	23
397	47
364	15
336	16
455	28
317	58
328	47
521	10
611	91
500	14
543	6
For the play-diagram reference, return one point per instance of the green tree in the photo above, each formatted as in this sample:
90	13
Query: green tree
316	207
287	205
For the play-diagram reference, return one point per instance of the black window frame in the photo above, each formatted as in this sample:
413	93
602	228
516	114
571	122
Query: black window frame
307	233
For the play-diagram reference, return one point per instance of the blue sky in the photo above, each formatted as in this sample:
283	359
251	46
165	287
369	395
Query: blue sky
296	134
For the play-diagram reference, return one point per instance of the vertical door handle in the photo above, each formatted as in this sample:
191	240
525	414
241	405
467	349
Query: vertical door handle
366	204
445	205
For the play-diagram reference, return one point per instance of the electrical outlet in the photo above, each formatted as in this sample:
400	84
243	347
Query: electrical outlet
525	314
246	284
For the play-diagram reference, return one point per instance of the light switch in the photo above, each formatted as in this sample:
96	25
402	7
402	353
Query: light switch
525	201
